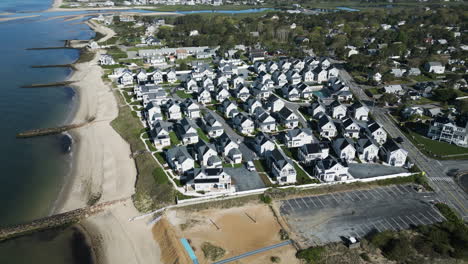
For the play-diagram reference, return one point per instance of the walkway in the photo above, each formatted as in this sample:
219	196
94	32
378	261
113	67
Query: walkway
250	253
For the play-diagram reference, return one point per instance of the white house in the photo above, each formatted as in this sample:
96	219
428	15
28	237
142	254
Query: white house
288	118
376	131
443	129
212	126
244	124
229	149
179	159
209	180
173	110
337	110
331	169
393	89
105	59
263	144
367	149
359	111
206	155
344	148
392	154
311	152
281	167
191	109
327	127
434	67
160	135
186	131
298	137
350	128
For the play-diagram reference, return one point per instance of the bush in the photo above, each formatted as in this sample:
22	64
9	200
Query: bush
275	259
398	249
212	252
311	255
365	257
283	234
265	198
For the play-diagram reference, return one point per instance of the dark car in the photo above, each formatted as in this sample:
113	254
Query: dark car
399	139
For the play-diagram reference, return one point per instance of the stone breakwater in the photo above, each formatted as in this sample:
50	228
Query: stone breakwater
57	220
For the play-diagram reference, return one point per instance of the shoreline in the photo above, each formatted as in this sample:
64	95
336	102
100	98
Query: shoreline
102	170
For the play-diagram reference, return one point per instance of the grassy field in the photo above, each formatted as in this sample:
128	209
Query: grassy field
183	94
152	188
437	148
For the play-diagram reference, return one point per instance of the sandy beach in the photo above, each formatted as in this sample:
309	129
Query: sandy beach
103	170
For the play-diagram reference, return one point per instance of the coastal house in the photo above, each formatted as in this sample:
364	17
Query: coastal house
298	137
311	152
251	105
228	108
191	86
274	104
344	148
331	169
392	154
282	168
293	77
376	131
393	89
179	159
307	92
244	124
205	153
337	110
221	94
307	75
279	78
152	114
186	131
190	108
367	149
125	78
434	67
160	135
211	126
359	111
173	110
349	128
327	127
263	144
171	76
261	92
105	59
317	109
264	121
290	92
204	96
229	149
444	129
288	118
209	180
243	93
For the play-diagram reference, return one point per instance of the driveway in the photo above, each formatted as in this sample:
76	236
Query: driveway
363	170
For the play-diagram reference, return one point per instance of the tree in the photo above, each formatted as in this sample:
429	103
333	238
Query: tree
444	94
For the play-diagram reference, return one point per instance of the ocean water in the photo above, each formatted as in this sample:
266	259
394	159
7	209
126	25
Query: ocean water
34	170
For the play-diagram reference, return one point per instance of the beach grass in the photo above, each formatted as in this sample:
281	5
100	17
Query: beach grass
152	188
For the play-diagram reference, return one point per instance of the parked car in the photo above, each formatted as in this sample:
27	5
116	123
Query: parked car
250	166
399	140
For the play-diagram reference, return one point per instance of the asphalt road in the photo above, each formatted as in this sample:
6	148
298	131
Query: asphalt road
447	190
328	218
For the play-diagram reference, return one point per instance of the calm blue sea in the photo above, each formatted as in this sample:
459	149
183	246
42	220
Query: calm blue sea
33	170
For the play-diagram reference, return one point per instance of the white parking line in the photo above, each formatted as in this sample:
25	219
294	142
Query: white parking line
335	198
380	223
359	199
363	193
363	231
389	189
390	225
292	207
371	194
376	227
429	220
386	193
437	217
398	224
377	193
297	203
305	203
312	200
347	194
403	189
412	221
318	198
406	222
396	190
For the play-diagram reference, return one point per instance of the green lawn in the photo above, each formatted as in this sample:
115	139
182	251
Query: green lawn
374	91
287	151
259	166
229	165
174	139
202	135
159	156
435	147
301	175
423	100
183	94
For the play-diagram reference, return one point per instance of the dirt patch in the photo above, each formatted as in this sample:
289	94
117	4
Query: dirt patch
171	248
236	230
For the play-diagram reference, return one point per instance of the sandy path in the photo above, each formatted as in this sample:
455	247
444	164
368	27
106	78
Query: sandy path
116	240
107	32
16	18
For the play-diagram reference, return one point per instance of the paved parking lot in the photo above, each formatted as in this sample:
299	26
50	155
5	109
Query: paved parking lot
244	179
327	218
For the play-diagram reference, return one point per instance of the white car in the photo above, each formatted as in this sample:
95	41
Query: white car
250	166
